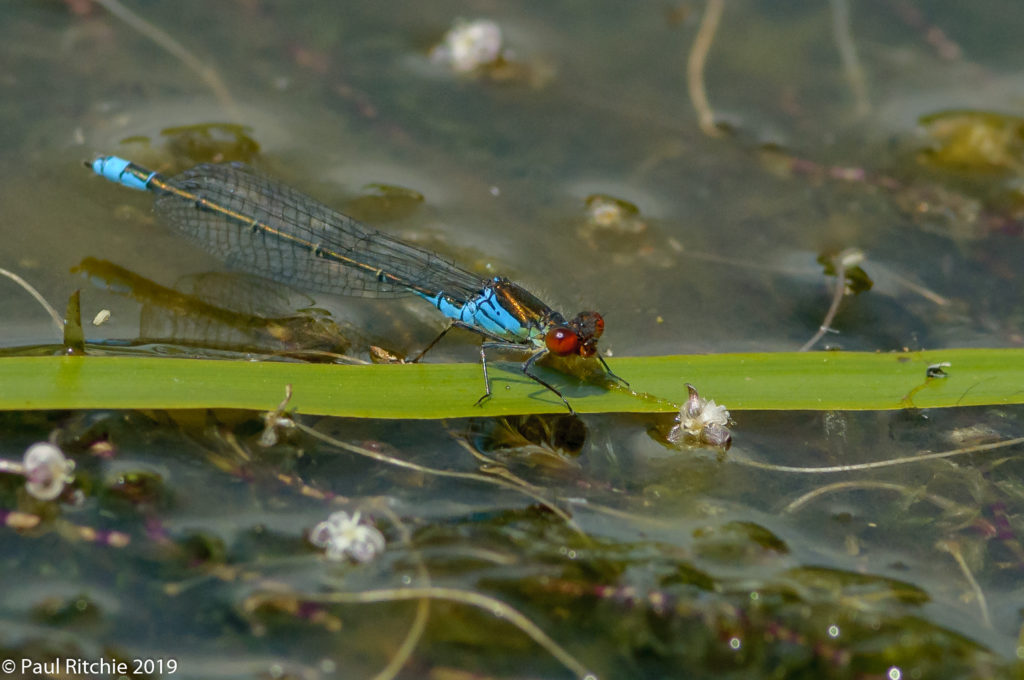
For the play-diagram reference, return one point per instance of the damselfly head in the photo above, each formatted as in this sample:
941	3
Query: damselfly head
578	336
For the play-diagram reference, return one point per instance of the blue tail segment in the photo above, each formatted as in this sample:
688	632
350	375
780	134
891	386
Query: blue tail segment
115	169
265	227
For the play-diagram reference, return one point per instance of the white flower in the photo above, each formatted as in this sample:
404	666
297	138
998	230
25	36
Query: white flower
701	421
345	536
468	45
46	471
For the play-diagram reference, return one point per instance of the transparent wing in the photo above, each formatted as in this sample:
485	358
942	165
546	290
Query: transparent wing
306	224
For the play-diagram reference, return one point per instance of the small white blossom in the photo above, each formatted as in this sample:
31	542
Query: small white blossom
469	45
46	471
345	536
701	421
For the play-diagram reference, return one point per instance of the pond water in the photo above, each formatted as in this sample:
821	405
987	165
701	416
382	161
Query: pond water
576	165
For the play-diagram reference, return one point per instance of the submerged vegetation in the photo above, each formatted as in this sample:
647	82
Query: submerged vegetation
812	188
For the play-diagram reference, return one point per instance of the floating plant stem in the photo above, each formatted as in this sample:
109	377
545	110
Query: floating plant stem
848	55
58	322
489	604
944	503
851	257
391	460
954	550
206	73
879	463
419	623
695	67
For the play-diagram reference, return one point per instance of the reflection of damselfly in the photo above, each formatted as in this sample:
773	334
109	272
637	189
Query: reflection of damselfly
262	226
227	312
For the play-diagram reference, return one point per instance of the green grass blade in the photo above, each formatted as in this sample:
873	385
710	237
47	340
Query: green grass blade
813	380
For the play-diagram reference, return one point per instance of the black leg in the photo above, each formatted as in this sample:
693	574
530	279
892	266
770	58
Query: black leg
487	381
528	364
471	329
609	371
433	342
484	346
